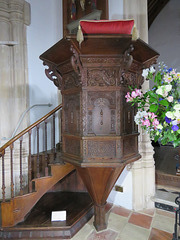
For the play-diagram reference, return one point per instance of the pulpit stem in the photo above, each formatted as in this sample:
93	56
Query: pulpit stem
100	217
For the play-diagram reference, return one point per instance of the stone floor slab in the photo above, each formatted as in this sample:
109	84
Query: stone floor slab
163	223
157	234
116	222
133	232
103	235
140	220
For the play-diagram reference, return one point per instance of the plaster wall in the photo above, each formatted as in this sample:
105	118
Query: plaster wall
45	30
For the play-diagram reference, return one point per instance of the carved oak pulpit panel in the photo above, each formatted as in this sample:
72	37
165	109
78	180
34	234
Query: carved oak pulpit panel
98	130
98	125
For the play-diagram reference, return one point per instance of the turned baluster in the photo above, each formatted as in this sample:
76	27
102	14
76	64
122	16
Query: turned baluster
3	178
21	176
46	155
29	165
12	181
54	147
37	164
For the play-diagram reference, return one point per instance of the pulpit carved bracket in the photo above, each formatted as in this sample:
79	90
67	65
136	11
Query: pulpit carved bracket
128	58
54	75
76	62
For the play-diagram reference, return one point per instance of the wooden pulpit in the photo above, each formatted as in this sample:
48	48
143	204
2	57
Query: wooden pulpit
98	130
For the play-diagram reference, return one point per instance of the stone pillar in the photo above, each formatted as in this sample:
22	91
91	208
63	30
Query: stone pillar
143	171
14	16
14	97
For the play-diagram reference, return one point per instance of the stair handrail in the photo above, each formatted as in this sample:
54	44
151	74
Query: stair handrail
26	130
26	111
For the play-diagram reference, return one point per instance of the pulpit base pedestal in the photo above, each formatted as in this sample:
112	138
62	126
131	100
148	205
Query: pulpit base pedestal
99	181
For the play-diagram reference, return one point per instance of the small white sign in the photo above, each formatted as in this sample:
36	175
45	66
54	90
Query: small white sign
58	216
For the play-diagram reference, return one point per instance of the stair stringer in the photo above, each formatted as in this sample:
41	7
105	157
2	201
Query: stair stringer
17	208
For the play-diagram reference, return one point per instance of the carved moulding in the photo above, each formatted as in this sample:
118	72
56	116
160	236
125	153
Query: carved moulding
54	75
98	61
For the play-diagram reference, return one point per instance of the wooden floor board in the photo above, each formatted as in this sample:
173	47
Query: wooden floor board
38	223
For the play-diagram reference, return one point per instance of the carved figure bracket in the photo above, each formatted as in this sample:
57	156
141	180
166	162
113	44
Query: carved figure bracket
54	75
127	58
76	62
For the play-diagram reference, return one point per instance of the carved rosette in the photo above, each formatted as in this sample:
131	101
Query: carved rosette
53	74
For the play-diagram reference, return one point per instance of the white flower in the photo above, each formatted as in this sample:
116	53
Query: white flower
152	70
163	90
159	91
168	78
178	75
168	87
174	122
145	72
177	106
159	126
139	116
170	99
177	114
170	115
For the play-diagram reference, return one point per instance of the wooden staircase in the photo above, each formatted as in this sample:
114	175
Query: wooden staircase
17	208
47	175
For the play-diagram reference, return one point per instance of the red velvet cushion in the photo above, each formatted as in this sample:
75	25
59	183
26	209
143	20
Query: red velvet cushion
107	26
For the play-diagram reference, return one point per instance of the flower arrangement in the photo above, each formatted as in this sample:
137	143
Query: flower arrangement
159	109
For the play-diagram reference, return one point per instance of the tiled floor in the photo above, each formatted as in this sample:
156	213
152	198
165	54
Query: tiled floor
124	224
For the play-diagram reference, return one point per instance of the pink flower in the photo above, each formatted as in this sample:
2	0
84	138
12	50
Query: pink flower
173	72
145	122
155	123
168	78
152	115
128	97
134	94
138	92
